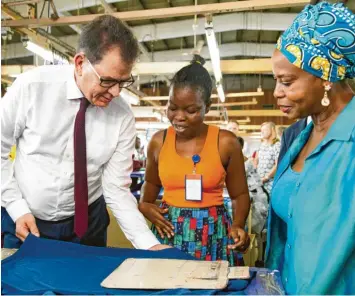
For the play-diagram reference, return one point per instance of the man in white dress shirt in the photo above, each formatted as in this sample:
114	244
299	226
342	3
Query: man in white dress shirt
38	114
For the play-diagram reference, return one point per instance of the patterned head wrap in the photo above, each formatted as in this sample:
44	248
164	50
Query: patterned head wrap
321	41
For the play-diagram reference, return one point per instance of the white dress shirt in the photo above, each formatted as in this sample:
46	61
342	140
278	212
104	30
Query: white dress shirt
37	114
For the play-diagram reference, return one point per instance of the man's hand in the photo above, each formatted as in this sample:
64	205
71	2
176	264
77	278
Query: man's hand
155	215
26	224
159	247
241	239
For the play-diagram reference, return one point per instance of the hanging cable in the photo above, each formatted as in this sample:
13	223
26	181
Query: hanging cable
260	89
44	4
194	27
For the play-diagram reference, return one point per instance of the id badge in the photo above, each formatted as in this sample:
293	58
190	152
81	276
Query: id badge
193	187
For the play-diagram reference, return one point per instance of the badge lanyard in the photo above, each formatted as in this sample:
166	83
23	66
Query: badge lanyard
195	159
193	182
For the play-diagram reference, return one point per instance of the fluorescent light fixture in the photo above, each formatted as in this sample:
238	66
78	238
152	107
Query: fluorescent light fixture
214	51
220	122
241	94
130	97
46	54
220	93
215	58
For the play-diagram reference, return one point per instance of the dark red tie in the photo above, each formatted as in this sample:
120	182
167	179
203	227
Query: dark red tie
80	172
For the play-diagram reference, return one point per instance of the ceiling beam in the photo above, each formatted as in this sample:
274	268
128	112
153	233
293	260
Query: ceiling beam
255	127
144	112
7	79
250	113
237	84
24	2
76	28
162	12
70	5
252	102
38	36
162	125
244	49
250	66
240	121
233	83
267	21
213	96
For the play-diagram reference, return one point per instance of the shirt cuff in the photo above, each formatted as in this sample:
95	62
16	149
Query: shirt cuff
145	241
17	209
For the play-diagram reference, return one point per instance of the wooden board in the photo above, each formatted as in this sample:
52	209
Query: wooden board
239	272
5	252
168	274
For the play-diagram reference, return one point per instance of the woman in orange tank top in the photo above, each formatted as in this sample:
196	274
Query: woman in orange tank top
192	161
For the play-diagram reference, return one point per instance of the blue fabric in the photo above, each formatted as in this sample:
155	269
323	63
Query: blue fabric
95	235
321	41
280	202
289	135
265	283
315	251
48	266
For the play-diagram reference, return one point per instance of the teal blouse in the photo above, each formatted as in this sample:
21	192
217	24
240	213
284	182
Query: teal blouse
315	249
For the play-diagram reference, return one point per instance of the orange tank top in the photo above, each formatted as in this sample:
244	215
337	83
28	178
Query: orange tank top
173	168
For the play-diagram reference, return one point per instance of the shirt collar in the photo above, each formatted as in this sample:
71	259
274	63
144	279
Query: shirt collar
344	125
341	130
73	91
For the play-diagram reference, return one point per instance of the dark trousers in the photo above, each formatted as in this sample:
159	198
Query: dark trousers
63	230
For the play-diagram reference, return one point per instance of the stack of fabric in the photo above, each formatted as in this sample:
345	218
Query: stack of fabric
44	266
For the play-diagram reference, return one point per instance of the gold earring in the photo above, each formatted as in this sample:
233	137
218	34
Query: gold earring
325	101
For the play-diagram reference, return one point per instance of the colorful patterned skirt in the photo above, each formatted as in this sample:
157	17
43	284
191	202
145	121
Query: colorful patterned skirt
200	232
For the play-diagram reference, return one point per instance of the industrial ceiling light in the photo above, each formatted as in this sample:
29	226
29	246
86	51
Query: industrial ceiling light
220	92
215	57
46	54
214	51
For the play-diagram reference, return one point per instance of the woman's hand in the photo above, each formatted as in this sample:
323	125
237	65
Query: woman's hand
159	247
241	239
155	215
264	180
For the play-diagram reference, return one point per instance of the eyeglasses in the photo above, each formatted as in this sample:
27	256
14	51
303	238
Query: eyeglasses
108	83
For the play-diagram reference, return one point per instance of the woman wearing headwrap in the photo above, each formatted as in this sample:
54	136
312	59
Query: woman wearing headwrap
311	237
